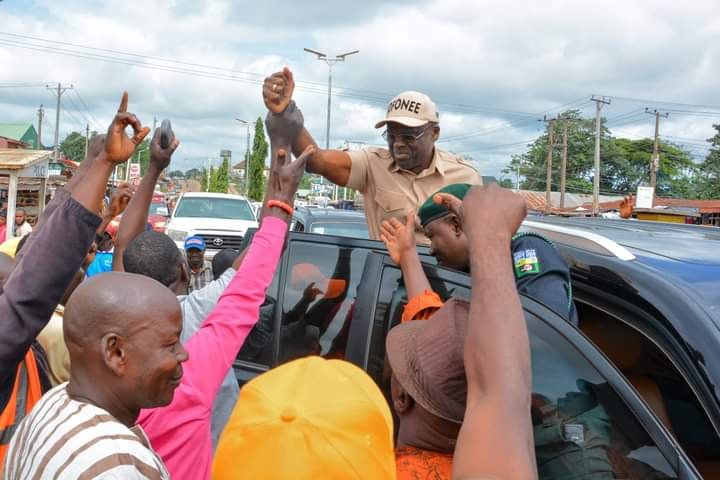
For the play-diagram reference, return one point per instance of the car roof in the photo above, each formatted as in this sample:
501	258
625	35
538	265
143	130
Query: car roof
334	214
692	244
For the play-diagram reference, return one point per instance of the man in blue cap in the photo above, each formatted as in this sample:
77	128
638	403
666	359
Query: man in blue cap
200	269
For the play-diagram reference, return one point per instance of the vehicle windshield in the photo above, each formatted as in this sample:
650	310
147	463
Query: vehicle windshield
341	229
154	207
209	207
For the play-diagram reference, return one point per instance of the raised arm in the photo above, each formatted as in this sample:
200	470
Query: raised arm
496	439
136	216
40	278
277	93
118	203
214	347
399	239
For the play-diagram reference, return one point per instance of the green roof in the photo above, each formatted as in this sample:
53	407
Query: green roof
16	131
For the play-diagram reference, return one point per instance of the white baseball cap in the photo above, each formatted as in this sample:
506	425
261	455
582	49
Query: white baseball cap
412	109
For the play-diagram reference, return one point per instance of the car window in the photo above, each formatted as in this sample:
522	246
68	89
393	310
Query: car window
341	229
658	381
582	428
319	298
214	207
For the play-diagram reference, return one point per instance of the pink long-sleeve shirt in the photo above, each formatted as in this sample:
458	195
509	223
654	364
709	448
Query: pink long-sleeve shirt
180	432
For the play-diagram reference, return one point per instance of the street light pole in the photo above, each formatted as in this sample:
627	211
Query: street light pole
330	62
247	157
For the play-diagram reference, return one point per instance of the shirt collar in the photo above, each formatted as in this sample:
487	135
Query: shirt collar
206	266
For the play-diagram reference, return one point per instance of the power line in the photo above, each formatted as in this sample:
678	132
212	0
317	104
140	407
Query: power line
95	121
662	102
224	73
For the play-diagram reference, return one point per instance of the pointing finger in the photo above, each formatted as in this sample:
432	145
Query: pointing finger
123	102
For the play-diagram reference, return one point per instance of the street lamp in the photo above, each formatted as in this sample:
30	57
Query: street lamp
247	157
330	62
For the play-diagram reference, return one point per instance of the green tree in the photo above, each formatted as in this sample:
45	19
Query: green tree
506	183
73	147
625	162
193	173
256	187
709	185
176	174
142	156
581	148
222	177
631	168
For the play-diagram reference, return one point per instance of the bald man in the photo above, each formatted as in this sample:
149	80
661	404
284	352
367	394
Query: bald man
122	360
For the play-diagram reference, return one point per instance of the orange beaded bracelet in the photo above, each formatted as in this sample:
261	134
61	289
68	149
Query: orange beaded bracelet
281	205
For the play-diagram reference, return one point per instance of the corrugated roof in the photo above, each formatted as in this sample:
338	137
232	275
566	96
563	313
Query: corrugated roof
17	158
14	130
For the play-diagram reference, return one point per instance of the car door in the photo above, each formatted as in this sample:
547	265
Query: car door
588	421
309	307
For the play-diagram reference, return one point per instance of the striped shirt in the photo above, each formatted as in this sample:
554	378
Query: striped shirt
65	439
201	278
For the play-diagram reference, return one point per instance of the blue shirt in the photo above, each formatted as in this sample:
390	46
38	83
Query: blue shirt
101	264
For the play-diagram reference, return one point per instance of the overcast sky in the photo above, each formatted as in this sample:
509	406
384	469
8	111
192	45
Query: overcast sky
493	67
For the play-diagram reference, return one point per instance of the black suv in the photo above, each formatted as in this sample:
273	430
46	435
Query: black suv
330	221
635	381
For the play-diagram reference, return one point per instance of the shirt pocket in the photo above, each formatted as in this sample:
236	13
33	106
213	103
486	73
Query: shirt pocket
392	204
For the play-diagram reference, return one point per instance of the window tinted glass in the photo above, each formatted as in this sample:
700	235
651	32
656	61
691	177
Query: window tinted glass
199	207
656	378
341	229
319	298
155	206
582	428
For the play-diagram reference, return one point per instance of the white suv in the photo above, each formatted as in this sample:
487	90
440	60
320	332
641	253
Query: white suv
219	218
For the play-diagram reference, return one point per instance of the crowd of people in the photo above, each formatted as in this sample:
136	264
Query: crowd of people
116	356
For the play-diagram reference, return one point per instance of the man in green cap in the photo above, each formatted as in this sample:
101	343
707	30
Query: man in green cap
540	271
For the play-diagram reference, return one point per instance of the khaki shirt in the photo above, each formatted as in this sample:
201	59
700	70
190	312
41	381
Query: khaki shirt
388	191
52	340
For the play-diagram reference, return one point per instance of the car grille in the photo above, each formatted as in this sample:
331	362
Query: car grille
212	242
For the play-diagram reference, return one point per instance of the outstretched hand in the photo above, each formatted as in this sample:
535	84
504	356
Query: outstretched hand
159	156
626	207
120	199
399	238
285	174
311	292
278	89
496	212
118	146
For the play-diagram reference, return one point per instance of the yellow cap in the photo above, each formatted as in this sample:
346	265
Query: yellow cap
308	419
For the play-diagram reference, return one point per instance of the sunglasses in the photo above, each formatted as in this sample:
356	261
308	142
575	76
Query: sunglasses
407	138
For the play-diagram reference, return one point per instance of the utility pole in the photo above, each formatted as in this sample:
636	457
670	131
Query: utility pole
550	145
563	165
248	126
60	90
87	138
655	159
599	102
330	62
41	112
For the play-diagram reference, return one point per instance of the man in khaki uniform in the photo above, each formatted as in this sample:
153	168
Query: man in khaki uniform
393	181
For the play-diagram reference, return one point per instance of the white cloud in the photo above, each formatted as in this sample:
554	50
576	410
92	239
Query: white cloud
480	61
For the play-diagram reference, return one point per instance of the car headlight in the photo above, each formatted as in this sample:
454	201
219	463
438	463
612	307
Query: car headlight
177	235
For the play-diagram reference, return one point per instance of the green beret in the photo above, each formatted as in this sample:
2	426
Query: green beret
430	210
